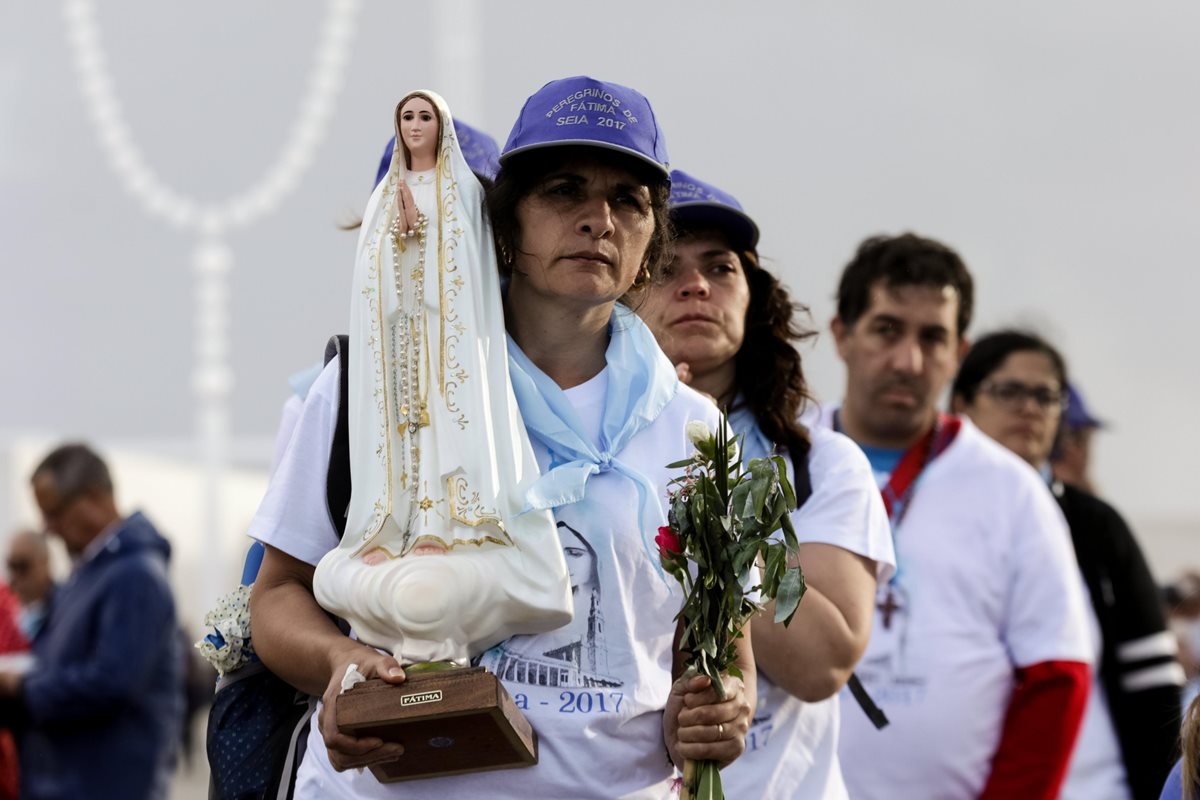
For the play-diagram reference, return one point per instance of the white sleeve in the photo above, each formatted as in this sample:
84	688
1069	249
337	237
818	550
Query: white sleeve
288	418
1046	617
293	516
845	508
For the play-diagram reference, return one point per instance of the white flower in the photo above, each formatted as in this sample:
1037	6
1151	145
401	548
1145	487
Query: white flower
698	432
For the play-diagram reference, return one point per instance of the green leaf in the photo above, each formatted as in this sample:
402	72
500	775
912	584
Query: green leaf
791	589
721	460
789	533
762	477
714	675
789	494
774	572
708	782
681	464
698	505
739	500
679	518
744	557
690	632
776	509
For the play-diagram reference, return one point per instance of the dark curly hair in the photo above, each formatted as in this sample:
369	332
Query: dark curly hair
770	373
522	173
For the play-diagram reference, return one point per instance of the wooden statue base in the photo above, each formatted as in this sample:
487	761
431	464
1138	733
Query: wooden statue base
452	721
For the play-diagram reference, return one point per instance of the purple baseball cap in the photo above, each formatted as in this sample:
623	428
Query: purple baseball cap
586	111
695	202
1078	416
480	150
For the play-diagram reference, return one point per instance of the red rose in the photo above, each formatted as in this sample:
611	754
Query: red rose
667	541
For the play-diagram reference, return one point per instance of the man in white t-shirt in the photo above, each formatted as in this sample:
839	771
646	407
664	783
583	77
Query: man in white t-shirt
979	651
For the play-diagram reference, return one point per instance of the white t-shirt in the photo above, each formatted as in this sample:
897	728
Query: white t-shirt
300	382
594	691
986	582
288	417
1097	770
791	747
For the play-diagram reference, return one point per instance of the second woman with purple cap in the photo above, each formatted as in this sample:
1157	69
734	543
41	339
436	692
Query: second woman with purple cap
579	212
731	329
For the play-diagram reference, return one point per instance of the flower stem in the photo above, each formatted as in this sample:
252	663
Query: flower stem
701	781
687	791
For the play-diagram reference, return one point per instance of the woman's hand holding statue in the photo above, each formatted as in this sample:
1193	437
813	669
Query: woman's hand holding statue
347	752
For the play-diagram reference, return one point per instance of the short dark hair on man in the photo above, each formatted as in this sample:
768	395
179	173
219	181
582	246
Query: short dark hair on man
989	352
904	260
76	469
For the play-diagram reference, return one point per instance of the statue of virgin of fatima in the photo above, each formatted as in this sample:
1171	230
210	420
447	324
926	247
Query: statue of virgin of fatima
437	562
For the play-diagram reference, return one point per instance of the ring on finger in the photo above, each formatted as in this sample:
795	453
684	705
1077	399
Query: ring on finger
720	731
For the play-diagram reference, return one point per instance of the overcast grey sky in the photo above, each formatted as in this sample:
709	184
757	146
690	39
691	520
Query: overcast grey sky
1054	144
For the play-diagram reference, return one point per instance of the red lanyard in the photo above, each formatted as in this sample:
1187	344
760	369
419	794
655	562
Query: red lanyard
912	463
897	493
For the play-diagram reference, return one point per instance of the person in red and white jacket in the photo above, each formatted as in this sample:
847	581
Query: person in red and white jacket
980	650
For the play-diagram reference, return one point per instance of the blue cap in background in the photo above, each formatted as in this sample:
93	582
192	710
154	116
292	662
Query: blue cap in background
480	150
695	202
586	111
1078	416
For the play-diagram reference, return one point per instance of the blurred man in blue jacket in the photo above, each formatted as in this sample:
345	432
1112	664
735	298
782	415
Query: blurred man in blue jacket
99	714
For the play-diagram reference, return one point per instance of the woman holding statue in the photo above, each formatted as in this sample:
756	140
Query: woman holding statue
580	217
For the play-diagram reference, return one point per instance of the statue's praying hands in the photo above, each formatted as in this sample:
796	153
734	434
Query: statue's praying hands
408	210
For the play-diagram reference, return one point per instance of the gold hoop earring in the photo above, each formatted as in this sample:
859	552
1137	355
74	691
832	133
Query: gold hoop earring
505	255
643	278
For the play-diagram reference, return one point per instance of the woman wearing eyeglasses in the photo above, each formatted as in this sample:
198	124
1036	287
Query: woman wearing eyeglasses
1013	387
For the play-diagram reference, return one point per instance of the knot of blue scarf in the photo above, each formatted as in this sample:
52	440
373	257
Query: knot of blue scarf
641	381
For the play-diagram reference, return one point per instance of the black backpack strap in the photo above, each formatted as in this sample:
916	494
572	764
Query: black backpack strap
801	479
802	484
337	479
873	712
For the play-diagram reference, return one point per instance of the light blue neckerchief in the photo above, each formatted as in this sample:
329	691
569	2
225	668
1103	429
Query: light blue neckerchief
755	444
641	381
303	380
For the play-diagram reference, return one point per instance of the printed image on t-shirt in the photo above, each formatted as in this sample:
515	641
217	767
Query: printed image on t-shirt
887	669
575	654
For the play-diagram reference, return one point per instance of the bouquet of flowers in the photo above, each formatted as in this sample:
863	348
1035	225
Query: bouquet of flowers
720	545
